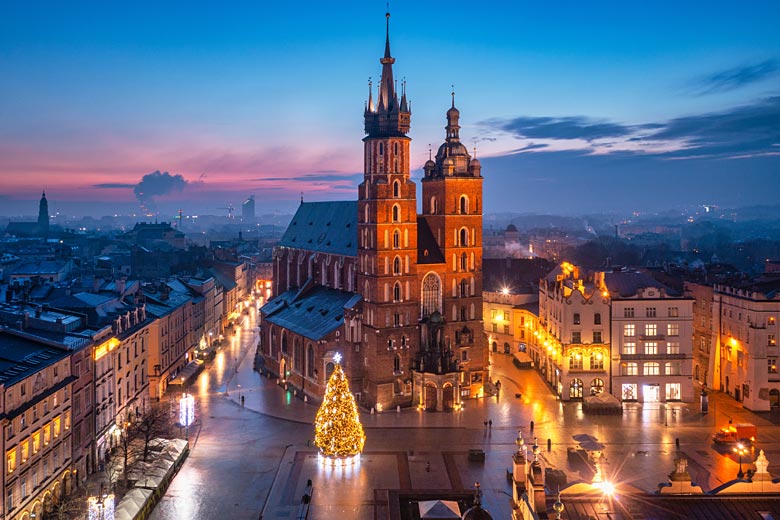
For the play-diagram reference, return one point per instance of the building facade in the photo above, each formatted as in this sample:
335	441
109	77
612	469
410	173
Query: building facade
745	320
396	293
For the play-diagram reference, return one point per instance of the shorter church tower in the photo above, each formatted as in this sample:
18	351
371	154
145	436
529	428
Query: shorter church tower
43	215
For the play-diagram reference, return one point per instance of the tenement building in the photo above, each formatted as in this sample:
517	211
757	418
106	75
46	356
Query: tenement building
745	324
397	294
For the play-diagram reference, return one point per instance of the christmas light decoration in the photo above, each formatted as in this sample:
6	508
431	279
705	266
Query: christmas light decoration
338	432
186	410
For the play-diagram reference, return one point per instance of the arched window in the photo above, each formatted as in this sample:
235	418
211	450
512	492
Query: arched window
396	189
397	265
464	205
431	294
433	205
310	361
596	386
397	363
396	213
365	216
652	368
464	288
597	360
284	343
464	237
464	262
298	356
396	239
397	292
462	313
575	389
395	148
367	291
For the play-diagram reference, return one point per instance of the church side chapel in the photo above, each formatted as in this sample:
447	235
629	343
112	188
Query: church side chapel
396	293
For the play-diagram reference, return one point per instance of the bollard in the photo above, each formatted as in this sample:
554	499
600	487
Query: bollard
532	426
372	410
549	444
398	409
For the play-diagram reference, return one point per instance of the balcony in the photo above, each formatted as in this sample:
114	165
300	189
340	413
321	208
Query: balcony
656	337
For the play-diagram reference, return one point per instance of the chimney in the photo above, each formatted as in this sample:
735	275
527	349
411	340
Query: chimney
120	284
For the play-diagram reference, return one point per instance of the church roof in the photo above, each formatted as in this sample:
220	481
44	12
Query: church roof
313	314
327	227
428	251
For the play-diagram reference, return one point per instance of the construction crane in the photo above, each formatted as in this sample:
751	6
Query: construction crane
230	209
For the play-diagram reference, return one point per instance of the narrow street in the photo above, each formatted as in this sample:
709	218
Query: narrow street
235	452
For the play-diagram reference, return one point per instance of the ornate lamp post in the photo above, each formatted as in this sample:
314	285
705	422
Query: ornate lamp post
741	451
100	508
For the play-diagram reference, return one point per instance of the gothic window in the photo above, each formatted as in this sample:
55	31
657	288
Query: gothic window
284	343
431	294
365	217
298	356
397	292
397	363
395	148
464	205
463	313
396	189
367	291
396	239
464	237
396	213
464	262
397	265
464	288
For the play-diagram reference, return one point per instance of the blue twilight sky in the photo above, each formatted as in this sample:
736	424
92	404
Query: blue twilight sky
573	106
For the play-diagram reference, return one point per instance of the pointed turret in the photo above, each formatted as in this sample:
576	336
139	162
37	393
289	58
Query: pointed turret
388	119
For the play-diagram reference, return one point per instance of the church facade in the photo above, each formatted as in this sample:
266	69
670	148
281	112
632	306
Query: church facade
397	294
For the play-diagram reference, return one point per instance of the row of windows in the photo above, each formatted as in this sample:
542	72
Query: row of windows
576	336
651	329
595	361
651	368
651	347
596	318
32	445
33	413
651	312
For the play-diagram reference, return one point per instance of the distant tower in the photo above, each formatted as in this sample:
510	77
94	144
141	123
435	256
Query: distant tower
43	215
248	210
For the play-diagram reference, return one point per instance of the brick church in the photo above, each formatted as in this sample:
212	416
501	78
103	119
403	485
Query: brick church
396	294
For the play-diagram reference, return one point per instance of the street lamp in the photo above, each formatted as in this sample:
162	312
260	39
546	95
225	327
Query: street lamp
741	451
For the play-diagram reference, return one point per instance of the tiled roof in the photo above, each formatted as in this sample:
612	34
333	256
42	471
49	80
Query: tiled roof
327	227
22	356
428	251
628	283
313	314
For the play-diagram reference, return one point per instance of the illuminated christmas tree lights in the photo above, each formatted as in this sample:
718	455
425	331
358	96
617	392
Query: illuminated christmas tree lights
338	432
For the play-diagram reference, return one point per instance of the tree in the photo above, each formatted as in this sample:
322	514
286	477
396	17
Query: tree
155	422
338	432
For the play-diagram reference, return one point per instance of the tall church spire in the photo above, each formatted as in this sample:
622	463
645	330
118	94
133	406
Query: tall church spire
389	118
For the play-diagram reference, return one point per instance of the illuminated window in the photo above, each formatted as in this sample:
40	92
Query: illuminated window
629	347
36	441
57	427
673	347
672	329
651	347
672	391
10	458
771	365
652	369
651	329
629	392
629	330
596	361
46	434
575	361
25	451
630	369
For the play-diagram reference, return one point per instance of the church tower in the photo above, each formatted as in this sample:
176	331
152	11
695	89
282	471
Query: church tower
452	208
387	242
43	215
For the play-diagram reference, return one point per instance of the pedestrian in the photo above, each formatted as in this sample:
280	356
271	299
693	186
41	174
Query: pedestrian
490	423
242	400
428	466
486	423
498	385
532	426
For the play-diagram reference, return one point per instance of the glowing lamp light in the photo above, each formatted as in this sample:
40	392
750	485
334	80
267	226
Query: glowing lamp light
100	508
186	410
607	487
505	291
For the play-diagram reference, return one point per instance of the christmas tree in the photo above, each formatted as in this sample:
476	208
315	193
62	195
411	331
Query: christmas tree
338	432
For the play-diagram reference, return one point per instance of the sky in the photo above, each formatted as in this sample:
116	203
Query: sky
573	107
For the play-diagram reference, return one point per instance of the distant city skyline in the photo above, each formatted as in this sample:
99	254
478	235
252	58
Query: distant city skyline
573	110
